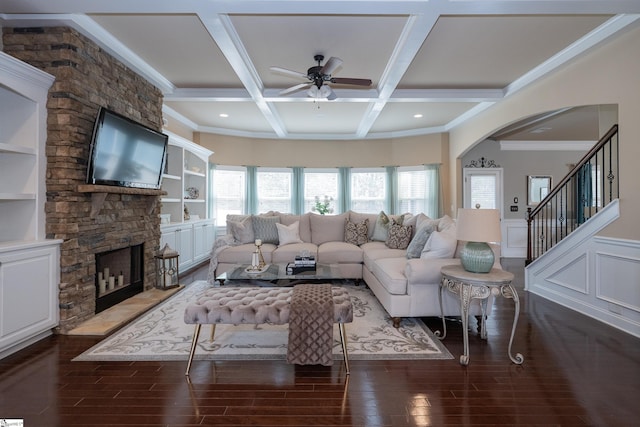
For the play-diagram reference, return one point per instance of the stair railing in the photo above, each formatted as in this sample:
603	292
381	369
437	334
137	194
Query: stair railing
588	187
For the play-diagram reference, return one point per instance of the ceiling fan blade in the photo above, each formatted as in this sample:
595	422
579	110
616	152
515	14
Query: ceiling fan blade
331	65
348	81
284	71
294	88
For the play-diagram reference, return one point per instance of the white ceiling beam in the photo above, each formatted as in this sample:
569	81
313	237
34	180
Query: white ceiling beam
413	35
222	31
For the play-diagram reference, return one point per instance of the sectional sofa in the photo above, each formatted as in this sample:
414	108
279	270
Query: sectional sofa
399	257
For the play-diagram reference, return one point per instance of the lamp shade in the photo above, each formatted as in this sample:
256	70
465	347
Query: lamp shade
478	225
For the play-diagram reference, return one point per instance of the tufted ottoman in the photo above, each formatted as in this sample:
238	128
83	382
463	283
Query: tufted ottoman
257	305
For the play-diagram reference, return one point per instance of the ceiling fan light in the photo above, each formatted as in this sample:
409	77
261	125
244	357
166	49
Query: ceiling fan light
313	92
325	92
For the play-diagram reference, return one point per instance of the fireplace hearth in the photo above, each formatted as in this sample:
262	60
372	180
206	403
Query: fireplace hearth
119	275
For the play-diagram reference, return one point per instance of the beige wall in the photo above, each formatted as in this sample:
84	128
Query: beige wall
608	75
424	149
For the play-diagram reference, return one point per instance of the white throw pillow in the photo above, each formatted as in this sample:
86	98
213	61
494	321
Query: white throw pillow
288	234
441	244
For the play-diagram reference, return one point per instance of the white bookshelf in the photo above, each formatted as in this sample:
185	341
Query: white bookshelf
29	263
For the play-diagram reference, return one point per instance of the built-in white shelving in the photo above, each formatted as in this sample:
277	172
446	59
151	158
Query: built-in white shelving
29	263
186	183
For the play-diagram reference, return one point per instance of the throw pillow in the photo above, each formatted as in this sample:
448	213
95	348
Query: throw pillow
242	231
399	235
356	233
420	238
381	228
264	228
288	234
441	244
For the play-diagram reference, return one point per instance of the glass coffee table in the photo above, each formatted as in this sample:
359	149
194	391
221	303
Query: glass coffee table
276	274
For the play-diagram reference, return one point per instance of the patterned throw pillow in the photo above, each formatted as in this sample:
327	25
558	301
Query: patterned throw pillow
356	233
264	228
399	235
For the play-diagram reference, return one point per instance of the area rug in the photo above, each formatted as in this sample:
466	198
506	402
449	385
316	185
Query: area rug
161	334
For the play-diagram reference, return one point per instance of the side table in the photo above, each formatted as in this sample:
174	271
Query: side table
468	286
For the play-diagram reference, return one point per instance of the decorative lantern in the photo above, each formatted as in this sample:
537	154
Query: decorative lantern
166	268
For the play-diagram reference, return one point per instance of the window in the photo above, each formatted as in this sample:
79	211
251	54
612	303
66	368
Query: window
274	189
320	183
368	190
229	189
412	190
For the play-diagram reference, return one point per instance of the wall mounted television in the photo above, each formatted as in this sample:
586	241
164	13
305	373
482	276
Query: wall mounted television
125	153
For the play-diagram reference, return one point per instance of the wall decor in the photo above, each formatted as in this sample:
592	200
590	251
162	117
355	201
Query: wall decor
538	186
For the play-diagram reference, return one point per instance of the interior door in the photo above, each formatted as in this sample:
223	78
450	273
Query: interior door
483	186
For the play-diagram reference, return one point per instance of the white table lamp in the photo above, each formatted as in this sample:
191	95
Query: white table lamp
477	227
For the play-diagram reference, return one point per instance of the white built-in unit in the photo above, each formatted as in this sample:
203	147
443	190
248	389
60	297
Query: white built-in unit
186	182
29	263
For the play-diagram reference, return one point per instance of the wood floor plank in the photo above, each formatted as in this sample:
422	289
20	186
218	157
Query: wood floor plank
577	372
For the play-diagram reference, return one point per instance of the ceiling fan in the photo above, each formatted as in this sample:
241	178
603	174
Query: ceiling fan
319	76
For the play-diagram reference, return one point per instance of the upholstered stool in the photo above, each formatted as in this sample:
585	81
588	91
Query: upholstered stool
257	305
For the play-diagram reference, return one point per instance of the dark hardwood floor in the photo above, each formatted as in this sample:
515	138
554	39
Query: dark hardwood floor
577	372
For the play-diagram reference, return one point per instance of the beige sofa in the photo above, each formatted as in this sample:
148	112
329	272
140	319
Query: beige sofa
403	273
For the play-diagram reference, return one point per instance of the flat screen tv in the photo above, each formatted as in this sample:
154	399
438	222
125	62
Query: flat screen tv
125	153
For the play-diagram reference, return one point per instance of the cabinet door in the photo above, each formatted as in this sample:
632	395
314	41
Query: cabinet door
185	246
29	289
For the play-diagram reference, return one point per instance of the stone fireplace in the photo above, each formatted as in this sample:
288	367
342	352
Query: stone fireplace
86	78
120	275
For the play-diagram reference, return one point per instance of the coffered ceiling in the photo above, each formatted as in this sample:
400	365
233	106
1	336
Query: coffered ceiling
433	64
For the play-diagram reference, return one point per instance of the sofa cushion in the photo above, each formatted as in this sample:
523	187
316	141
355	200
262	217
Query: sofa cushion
264	228
373	251
356	233
327	228
339	253
288	253
242	231
441	244
288	234
399	235
304	227
390	273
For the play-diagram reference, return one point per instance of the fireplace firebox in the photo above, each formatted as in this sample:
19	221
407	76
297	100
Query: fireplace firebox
119	275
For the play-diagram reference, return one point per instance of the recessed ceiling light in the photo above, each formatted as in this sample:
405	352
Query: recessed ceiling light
224	115
417	116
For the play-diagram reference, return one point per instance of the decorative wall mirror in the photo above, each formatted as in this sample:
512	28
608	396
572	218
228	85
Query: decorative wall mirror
538	186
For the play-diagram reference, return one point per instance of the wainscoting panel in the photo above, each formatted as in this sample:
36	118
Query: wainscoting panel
594	275
514	238
621	270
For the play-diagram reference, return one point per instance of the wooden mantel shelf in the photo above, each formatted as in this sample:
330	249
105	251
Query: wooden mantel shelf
99	195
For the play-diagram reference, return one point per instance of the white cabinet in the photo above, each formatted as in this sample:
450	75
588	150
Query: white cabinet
192	239
29	275
186	180
29	264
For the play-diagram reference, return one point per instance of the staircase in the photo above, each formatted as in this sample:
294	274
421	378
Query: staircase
588	188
